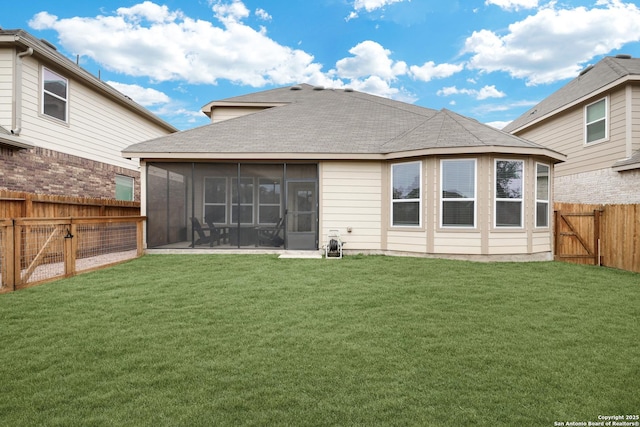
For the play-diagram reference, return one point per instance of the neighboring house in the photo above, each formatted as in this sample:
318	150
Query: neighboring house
595	121
62	129
389	177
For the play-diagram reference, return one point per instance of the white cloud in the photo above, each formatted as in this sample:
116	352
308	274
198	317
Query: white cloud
429	70
513	4
536	48
371	5
262	14
141	95
370	58
484	93
153	41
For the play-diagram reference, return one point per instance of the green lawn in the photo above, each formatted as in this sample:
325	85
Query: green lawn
256	340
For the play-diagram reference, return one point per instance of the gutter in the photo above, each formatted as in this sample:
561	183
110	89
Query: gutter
17	90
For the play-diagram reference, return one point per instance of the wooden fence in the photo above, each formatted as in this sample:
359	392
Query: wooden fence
607	235
14	204
38	250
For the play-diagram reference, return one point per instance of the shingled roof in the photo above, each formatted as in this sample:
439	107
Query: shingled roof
593	79
313	122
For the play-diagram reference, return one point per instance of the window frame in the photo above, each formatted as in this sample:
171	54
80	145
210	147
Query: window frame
226	198
496	199
461	199
44	93
547	201
605	119
130	179
413	200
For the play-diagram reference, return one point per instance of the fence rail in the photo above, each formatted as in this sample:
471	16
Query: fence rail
607	235
16	204
38	250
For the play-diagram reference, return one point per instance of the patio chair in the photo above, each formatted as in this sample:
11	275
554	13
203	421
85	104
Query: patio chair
216	234
270	236
203	239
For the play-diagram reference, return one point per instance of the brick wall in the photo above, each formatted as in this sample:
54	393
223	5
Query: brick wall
604	186
43	171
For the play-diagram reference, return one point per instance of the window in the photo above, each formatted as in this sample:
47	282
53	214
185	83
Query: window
542	195
245	201
458	189
215	200
509	193
124	188
406	194
269	200
596	121
54	95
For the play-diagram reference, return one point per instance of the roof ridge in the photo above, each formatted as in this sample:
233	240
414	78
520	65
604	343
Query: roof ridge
453	116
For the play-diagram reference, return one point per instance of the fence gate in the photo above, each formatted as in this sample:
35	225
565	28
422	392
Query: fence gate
577	237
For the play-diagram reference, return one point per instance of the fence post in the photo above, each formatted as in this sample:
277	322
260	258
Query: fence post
70	249
140	237
8	266
556	232
596	236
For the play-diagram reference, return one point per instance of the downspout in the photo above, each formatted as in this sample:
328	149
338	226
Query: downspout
17	90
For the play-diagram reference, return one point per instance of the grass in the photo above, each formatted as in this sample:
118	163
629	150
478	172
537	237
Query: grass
255	340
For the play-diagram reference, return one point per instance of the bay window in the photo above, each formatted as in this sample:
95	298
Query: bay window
406	197
458	189
542	195
509	179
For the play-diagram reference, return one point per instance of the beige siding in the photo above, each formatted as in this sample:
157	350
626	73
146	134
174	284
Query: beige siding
635	126
508	243
6	91
351	198
220	114
407	241
565	133
457	243
97	128
541	242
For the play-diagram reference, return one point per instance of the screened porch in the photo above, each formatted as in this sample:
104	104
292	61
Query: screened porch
232	205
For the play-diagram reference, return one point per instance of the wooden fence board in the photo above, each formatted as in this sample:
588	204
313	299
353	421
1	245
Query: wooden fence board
618	227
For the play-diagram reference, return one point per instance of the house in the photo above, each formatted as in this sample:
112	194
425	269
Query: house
62	129
595	120
389	177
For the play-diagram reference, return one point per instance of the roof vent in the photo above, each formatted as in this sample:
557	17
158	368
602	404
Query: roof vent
296	87
623	56
318	88
586	70
348	89
49	44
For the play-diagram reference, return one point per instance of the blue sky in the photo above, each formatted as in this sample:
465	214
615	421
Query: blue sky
487	59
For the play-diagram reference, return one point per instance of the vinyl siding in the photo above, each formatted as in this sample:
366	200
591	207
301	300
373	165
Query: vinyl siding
220	114
97	127
351	197
457	243
407	241
6	90
508	243
635	118
565	133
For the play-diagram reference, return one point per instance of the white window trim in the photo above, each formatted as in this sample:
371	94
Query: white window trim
474	200
606	122
542	200
496	199
65	99
419	199
226	197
